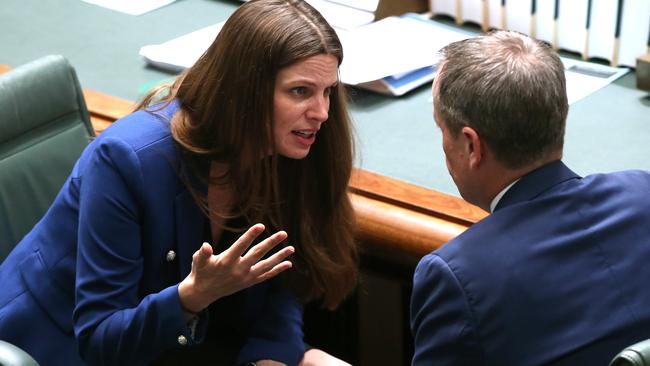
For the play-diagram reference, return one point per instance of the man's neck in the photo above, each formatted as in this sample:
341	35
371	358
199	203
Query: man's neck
502	177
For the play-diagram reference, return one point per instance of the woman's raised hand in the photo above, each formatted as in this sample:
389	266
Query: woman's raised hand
215	276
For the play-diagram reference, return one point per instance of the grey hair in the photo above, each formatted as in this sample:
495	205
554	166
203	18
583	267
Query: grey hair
508	87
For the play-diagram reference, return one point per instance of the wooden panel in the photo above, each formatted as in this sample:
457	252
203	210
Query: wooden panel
105	109
406	217
387	8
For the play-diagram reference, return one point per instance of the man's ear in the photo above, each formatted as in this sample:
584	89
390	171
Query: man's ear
474	147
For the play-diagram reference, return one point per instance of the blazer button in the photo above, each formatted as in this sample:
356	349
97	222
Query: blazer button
171	255
182	340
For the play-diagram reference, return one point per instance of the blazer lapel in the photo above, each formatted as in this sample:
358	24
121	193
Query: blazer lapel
534	183
190	223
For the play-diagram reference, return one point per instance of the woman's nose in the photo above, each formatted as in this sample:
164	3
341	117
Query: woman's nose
319	109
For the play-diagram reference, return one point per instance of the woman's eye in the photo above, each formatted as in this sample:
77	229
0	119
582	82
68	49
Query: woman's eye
299	90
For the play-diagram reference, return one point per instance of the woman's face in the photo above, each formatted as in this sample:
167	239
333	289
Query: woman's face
301	103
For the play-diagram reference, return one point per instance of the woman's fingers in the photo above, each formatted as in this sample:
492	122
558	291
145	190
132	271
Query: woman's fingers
270	263
232	254
202	256
279	268
260	250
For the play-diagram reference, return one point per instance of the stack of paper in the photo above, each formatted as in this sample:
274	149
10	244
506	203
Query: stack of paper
391	56
395	54
182	52
131	7
345	14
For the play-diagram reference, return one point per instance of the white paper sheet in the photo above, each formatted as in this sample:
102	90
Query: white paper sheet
366	5
345	14
182	52
341	16
584	78
133	7
392	46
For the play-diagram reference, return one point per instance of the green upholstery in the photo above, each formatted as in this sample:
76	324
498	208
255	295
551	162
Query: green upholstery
635	355
11	355
44	126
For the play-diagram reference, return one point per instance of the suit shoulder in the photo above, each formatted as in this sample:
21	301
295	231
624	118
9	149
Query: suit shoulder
141	128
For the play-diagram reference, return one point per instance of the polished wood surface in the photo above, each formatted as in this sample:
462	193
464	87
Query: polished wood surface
393	215
105	109
386	8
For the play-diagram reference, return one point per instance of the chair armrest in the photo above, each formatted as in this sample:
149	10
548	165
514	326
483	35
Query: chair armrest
637	354
11	355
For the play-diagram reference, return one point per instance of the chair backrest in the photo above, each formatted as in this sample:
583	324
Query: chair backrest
637	354
44	126
11	355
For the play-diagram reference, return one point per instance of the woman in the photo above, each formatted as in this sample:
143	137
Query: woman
255	132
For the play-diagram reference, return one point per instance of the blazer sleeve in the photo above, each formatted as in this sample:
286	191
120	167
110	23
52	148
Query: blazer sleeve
441	318
114	325
277	334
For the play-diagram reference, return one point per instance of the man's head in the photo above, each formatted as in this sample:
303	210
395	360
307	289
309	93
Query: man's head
508	92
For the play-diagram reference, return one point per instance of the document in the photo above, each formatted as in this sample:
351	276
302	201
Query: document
182	52
341	16
584	78
392	56
366	5
133	7
345	14
393	46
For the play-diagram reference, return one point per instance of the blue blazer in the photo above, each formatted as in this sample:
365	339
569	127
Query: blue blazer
96	279
557	275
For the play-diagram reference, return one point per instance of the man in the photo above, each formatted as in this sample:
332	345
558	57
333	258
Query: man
558	273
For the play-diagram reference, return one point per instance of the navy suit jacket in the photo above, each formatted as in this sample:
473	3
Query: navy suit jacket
557	275
112	249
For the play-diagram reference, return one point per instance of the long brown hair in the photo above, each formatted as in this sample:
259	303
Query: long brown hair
226	102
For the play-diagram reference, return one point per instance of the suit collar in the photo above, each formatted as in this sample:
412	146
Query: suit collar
536	182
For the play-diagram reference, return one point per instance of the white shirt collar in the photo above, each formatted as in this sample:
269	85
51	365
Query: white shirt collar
497	198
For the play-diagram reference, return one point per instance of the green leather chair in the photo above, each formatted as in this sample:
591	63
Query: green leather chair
635	355
44	126
11	355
